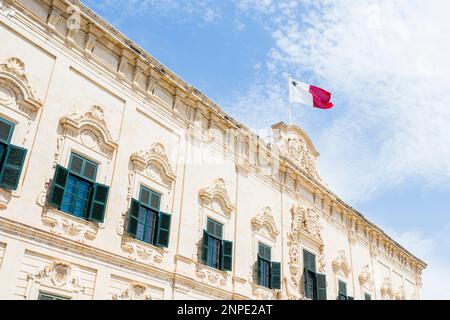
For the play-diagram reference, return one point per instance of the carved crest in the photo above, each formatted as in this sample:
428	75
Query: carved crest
14	87
136	291
340	264
61	275
265	220
216	196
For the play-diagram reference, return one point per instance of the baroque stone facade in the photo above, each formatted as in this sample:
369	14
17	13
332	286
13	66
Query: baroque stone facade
69	82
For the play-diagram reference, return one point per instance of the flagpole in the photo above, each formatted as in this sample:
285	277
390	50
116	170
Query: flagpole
290	104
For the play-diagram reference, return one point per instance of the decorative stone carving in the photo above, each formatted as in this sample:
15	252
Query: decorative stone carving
306	220
292	293
265	223
400	294
155	162
58	274
216	196
365	278
295	144
210	276
142	252
340	264
262	293
91	130
5	198
63	224
15	90
305	223
386	289
136	291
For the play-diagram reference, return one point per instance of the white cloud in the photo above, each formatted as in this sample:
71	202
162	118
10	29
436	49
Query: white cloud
389	70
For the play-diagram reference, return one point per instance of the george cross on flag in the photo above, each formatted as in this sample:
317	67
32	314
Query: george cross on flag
309	95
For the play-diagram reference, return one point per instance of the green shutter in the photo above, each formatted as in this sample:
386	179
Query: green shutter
321	285
227	255
275	275
58	186
258	269
12	167
367	296
205	247
342	295
163	231
308	292
98	203
133	217
342	287
349	298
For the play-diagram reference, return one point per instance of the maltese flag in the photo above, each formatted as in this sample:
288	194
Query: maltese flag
309	95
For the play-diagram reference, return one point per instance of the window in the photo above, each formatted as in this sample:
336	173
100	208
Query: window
147	223
45	296
367	296
315	283
264	257
269	273
342	293
6	131
217	253
12	158
75	191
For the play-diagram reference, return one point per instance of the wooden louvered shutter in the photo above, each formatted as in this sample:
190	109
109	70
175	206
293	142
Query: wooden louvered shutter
227	255
275	275
12	167
98	203
58	186
163	231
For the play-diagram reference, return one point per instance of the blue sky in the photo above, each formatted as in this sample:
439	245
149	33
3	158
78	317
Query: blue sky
384	147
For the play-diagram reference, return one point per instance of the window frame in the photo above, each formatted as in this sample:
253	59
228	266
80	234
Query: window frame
11	131
264	260
148	209
80	176
217	240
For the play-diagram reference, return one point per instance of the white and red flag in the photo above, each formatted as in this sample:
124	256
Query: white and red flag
308	94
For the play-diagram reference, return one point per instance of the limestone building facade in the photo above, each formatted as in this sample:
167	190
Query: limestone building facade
118	180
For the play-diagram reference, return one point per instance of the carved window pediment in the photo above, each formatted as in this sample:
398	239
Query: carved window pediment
15	90
155	161
265	224
216	197
340	264
91	129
